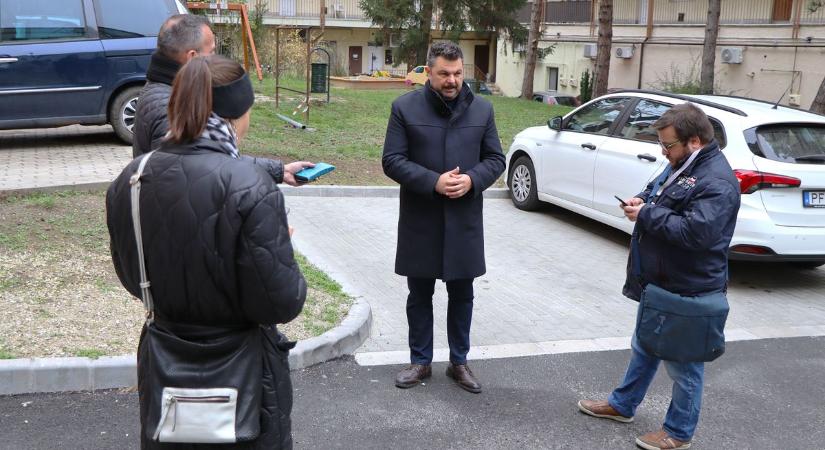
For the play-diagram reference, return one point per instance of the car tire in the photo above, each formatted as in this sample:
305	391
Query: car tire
122	113
522	184
807	264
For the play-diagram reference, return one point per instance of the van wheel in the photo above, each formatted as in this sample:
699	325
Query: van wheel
522	184
122	113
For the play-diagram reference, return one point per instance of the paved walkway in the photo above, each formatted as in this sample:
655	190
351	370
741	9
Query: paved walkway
553	277
553	281
73	155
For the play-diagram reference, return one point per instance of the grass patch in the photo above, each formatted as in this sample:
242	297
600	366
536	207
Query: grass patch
350	129
55	268
5	354
326	301
90	353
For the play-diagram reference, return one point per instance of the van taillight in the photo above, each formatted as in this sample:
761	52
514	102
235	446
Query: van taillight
751	181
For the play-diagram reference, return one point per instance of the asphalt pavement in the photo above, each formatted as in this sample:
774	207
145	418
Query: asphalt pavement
763	394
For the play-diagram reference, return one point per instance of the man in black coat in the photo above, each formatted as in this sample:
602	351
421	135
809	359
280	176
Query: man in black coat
683	230
181	38
443	148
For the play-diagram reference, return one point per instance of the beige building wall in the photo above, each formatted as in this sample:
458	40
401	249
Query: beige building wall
771	60
340	40
566	58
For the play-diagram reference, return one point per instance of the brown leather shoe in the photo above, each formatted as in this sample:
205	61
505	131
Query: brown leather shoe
660	440
464	377
603	410
412	375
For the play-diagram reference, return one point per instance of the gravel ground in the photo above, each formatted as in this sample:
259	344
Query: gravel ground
60	295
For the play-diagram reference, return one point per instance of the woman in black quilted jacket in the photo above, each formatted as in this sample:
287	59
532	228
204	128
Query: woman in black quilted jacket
217	250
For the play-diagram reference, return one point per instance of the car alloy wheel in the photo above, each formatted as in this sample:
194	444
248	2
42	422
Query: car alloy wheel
523	188
522	183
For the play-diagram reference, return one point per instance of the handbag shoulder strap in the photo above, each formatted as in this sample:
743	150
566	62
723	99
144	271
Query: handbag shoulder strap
145	293
635	259
634	237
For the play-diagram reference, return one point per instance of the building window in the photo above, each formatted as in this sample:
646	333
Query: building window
387	56
553	78
575	11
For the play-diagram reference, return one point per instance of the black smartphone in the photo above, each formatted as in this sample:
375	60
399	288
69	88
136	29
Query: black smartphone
621	202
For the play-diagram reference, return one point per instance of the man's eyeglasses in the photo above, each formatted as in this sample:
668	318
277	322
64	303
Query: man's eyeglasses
668	146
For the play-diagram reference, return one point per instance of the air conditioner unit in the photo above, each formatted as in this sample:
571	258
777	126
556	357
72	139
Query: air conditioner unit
590	50
732	55
624	52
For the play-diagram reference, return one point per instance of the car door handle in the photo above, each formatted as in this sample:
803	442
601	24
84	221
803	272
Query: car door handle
647	157
7	60
589	146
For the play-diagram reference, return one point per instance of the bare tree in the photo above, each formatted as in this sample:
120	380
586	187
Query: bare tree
818	106
532	49
709	50
604	46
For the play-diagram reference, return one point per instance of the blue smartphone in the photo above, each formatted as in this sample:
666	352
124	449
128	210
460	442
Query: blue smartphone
312	173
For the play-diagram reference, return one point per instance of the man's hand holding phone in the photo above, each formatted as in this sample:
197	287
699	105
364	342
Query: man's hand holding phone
631	207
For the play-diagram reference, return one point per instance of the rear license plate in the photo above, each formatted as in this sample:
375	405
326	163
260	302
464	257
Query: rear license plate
813	199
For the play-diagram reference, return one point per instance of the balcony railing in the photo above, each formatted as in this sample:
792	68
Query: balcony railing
311	9
677	12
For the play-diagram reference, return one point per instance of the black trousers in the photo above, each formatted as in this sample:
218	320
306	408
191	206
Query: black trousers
420	319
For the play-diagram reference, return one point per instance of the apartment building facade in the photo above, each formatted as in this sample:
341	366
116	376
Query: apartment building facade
766	49
359	47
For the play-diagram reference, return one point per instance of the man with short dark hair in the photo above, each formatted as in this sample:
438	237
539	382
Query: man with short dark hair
181	38
682	233
443	148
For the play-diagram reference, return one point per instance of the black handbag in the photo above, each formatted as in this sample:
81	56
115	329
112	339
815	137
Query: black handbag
203	384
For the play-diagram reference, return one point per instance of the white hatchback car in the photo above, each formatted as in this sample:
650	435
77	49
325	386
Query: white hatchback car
607	147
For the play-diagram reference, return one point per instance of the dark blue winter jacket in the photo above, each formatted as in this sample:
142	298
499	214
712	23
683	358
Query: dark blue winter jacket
685	232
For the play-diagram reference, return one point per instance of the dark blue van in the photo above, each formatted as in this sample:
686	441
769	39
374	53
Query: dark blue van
84	62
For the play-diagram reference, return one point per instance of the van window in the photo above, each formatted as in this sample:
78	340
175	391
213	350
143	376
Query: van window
119	19
23	20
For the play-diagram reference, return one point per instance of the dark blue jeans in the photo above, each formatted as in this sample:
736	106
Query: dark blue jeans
686	401
420	319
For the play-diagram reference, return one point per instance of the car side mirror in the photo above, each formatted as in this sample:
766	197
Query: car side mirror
555	123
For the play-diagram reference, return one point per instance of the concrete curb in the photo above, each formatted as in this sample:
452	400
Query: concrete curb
80	187
366	191
29	375
339	341
303	191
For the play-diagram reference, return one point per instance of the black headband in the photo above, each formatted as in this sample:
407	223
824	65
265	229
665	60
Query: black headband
233	100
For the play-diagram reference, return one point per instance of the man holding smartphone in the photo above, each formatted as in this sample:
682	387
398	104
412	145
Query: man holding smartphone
443	148
684	224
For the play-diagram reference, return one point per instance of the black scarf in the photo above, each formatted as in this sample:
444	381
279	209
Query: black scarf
452	107
162	69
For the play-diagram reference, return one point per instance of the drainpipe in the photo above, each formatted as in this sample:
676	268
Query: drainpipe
641	61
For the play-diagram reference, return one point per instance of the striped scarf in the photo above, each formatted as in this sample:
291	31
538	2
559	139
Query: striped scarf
221	131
